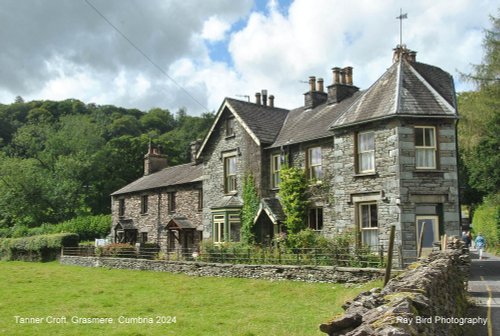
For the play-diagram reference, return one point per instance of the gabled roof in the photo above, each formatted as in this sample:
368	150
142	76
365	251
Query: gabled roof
405	89
180	223
261	122
272	207
170	176
303	124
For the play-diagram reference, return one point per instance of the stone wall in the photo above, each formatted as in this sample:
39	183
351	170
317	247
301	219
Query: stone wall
417	302
267	272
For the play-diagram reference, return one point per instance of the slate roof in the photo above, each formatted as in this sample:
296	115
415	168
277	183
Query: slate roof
304	124
170	176
229	202
272	207
405	89
264	121
180	223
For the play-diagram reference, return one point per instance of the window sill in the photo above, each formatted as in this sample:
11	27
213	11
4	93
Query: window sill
227	137
274	189
428	171
144	214
370	174
231	193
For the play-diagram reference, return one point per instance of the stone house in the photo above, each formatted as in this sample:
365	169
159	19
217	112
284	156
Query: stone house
163	207
374	158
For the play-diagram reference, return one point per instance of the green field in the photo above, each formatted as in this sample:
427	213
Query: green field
58	295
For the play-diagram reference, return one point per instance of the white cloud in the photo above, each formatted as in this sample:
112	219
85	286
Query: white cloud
214	29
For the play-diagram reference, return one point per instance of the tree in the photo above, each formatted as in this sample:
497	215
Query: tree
479	126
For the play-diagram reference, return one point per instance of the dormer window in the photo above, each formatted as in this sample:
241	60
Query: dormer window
425	147
229	127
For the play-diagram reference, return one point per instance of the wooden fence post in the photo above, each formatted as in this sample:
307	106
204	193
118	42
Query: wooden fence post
389	255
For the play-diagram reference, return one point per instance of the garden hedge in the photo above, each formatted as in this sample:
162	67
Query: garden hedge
36	248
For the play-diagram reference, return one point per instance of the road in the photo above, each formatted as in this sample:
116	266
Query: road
484	290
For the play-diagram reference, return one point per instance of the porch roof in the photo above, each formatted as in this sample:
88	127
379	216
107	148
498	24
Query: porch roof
180	223
272	207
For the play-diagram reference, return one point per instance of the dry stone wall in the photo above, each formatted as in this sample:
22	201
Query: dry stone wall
427	299
325	274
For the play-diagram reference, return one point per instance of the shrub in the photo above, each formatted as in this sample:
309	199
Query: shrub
119	250
293	197
36	248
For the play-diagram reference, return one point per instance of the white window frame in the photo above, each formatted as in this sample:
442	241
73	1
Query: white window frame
275	170
311	167
424	148
230	184
361	221
218	228
364	153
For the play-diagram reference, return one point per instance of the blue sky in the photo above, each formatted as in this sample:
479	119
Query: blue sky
214	49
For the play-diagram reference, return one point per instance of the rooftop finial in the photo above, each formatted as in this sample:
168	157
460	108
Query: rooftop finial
401	17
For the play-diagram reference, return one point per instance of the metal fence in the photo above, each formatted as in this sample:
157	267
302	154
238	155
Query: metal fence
352	257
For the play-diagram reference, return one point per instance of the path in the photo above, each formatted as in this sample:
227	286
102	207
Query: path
484	289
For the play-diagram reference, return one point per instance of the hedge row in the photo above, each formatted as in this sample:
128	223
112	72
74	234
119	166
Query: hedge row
36	248
87	227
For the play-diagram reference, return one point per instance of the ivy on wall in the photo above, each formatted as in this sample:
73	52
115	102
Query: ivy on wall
293	198
250	207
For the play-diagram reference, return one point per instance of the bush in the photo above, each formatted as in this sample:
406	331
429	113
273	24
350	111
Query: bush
36	248
118	250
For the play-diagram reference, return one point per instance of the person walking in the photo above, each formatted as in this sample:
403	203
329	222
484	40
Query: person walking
480	244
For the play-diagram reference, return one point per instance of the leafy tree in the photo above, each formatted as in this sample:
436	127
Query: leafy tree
158	119
478	129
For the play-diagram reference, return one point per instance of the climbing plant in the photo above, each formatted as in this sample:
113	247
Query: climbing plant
249	210
293	197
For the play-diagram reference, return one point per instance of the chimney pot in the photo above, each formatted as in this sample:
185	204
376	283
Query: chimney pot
320	85
271	100
312	83
257	98
336	75
264	97
412	56
342	76
348	75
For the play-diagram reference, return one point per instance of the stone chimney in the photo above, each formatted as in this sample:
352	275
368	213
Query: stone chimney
257	98
195	146
315	96
402	52
154	161
271	101
342	86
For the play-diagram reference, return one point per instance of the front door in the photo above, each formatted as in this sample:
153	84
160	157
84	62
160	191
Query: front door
427	233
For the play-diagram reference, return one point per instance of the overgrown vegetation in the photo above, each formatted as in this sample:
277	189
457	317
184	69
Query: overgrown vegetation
303	248
293	198
487	222
36	248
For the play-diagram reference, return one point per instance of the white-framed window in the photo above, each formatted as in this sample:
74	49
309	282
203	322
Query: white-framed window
275	170
230	174
425	147
234	227
315	219
366	152
368	223
314	168
218	228
229	126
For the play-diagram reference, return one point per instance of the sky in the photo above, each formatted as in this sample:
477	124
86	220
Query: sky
191	54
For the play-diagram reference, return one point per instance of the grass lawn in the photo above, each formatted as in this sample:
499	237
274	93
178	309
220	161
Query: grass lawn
201	306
